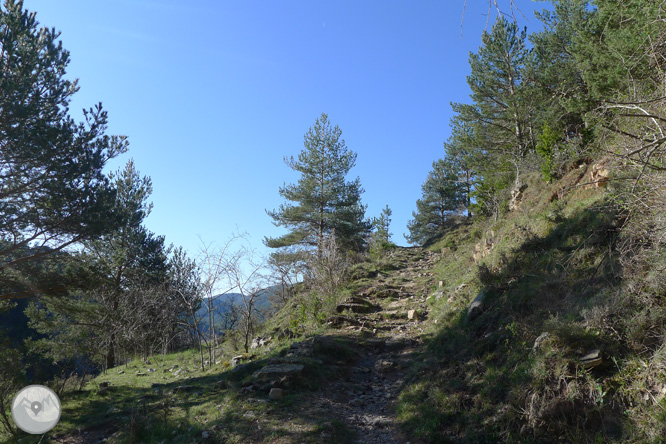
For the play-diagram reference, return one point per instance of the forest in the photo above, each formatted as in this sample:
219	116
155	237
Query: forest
87	289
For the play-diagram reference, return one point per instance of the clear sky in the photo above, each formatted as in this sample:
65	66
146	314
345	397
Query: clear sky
213	94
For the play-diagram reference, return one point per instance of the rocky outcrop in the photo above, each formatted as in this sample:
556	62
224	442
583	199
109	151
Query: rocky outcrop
482	249
277	371
517	197
357	304
599	175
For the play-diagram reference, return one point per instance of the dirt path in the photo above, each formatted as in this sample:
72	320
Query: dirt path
365	400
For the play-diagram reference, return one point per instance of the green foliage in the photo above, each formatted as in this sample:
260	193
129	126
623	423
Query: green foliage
546	149
442	197
130	297
501	94
324	201
53	189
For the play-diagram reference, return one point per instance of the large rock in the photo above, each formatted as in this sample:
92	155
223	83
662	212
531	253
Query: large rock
477	306
482	249
599	175
357	304
277	371
517	197
260	341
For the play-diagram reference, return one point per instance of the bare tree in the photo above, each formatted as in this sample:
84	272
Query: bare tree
214	261
244	275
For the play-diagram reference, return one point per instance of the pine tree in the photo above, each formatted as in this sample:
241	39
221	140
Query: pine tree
53	192
129	269
322	201
443	196
502	109
383	225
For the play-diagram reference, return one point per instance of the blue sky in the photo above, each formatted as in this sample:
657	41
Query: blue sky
213	94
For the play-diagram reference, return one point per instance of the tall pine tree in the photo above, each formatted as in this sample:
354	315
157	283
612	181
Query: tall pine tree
502	109
53	192
322	201
443	196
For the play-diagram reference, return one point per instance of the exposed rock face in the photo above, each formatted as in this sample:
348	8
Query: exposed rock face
260	341
599	175
357	304
482	249
277	371
516	197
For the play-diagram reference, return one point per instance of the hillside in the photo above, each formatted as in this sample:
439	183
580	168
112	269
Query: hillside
507	331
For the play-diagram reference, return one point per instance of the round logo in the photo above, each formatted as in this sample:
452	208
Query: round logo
36	409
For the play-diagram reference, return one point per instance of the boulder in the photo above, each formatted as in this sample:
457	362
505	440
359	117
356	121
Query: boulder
277	371
476	307
517	197
276	394
260	341
413	315
599	175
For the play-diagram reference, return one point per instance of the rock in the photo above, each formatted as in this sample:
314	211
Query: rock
599	175
276	394
437	295
540	340
482	249
277	371
441	284
152	370
141	374
357	304
476	307
236	360
413	315
516	197
238	368
260	341
337	321
591	359
205	434
121	372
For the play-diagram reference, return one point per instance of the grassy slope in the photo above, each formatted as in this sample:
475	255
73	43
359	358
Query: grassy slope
553	268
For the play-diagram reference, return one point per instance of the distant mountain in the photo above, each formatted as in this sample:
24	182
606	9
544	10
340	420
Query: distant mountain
222	302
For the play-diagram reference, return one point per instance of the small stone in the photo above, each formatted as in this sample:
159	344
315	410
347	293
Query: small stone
276	394
141	374
205	434
413	315
591	359
441	284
